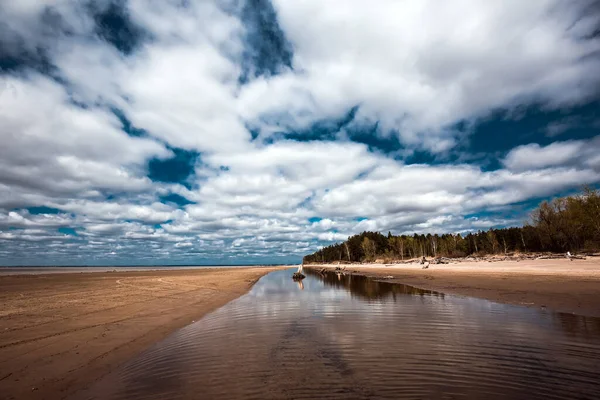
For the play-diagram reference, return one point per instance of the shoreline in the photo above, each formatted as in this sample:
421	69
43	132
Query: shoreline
46	270
60	332
558	285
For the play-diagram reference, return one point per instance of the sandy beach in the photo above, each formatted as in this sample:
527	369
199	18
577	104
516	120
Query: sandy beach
61	332
559	284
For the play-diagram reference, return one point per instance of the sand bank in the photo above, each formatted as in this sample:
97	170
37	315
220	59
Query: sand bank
61	332
559	285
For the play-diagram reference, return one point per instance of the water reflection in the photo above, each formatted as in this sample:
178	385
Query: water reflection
577	325
366	288
350	337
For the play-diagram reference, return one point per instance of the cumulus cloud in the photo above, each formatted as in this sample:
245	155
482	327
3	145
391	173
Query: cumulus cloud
582	153
417	68
97	97
52	145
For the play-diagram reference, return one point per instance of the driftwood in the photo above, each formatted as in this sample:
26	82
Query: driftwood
489	258
298	276
550	257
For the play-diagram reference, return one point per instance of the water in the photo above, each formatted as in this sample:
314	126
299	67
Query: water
349	337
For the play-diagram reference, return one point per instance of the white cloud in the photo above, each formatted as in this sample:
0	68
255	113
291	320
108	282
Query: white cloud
415	68
419	67
573	152
53	145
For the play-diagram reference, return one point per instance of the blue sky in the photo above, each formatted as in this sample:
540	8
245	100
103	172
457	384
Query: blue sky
233	132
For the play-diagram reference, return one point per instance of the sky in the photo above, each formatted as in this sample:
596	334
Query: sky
257	131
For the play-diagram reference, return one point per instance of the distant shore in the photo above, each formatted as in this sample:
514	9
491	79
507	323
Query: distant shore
555	284
61	332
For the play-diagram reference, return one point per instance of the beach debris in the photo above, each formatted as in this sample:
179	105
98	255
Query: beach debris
571	257
298	275
514	256
388	277
424	263
549	257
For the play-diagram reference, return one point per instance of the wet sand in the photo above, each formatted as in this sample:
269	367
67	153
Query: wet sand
350	337
559	285
61	332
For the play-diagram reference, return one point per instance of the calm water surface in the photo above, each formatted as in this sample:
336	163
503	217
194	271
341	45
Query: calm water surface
349	337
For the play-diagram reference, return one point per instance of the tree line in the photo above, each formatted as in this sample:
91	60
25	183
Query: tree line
564	224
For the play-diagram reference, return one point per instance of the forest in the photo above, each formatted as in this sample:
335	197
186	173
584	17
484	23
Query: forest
563	224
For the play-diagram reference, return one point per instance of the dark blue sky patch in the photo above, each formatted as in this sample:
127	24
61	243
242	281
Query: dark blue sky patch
177	169
325	129
346	127
504	130
491	164
420	157
159	226
44	210
115	27
267	51
67	231
485	161
128	127
371	137
176	199
312	220
254	133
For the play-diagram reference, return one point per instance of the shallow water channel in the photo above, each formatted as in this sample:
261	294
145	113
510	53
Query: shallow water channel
350	337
